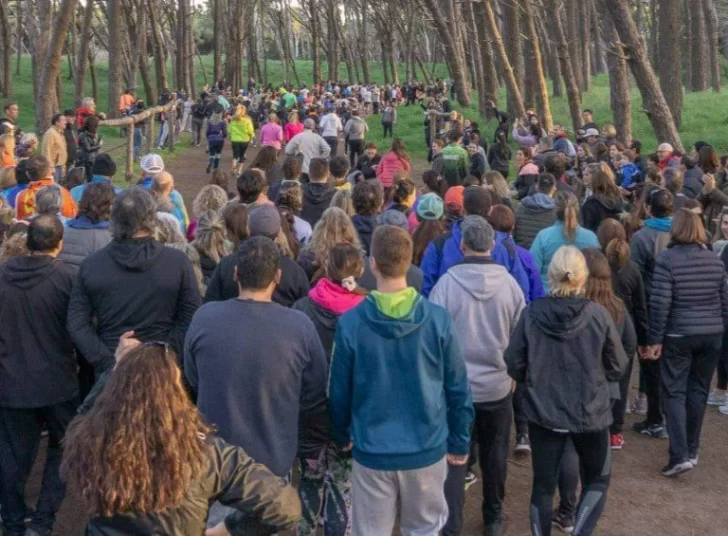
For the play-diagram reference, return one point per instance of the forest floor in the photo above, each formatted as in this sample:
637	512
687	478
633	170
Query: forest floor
641	501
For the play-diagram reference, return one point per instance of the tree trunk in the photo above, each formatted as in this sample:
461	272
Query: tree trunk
570	21
512	35
514	92
598	56
618	83
52	67
490	75
699	55
18	34
216	41
83	50
585	38
542	92
7	67
94	79
639	62
160	66
713	43
567	67
315	38
363	40
115	56
669	64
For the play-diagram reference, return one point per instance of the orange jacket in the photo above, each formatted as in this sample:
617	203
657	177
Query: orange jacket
8	160
25	202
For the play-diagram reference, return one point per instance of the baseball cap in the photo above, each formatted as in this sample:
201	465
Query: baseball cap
393	217
430	207
454	198
591	132
152	164
264	220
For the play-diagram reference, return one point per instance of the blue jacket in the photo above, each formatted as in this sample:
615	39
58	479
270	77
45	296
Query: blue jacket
628	175
178	203
535	287
398	388
11	194
77	191
444	252
549	240
216	133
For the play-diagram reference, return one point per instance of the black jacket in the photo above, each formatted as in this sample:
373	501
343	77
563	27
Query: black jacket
533	214
499	161
88	147
323	320
566	351
629	287
316	199
414	276
222	285
594	211
693	182
37	362
70	144
265	503
688	294
365	226
368	166
477	165
135	285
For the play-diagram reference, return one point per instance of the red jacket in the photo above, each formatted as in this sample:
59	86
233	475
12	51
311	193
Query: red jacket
388	166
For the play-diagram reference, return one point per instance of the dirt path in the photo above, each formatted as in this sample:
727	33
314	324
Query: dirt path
641	502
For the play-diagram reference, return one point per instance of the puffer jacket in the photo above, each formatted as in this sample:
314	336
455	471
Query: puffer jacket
565	352
595	210
389	165
534	213
81	238
688	295
265	503
646	244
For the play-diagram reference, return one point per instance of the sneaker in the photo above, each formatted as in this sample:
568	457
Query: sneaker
653	430
639	406
694	460
616	441
724	409
523	444
209	167
715	399
470	479
562	522
676	469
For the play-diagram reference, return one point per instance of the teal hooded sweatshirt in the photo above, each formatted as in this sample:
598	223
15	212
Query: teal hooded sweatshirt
398	387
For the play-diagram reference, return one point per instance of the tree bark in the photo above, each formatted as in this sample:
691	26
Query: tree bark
115	56
567	67
669	62
83	50
699	56
18	34
543	103
618	83
315	38
713	43
570	21
160	66
216	41
512	35
490	75
363	39
491	26
52	67
7	67
639	62
585	38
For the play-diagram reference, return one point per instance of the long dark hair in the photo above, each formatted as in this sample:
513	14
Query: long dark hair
613	241
425	233
399	149
599	284
434	181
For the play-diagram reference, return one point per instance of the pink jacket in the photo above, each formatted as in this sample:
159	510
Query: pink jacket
529	169
292	129
271	134
388	166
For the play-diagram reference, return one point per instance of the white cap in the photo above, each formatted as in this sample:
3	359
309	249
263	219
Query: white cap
591	132
152	164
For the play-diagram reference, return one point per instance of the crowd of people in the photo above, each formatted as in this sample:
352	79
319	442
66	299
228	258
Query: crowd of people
339	323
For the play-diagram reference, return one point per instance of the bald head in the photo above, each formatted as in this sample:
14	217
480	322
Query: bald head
45	235
163	183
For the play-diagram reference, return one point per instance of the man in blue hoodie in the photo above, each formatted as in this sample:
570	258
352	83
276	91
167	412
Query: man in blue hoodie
445	251
102	170
399	398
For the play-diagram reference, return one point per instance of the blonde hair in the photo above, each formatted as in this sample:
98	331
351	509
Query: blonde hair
211	197
567	209
240	112
7	178
7	142
498	183
343	200
210	235
333	228
567	272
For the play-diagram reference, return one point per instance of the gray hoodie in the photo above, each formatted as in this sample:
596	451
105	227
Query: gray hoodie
485	302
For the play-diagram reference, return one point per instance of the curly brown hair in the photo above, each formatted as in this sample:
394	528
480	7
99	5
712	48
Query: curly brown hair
139	447
96	201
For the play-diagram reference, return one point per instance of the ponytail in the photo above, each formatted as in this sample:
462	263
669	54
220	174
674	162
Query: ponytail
566	211
617	253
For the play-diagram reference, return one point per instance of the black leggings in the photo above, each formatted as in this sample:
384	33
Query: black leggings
723	364
239	149
549	449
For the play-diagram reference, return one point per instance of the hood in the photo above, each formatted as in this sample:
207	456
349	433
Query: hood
135	255
28	271
364	224
660	224
538	202
83	222
317	194
613	205
394	328
333	298
560	318
480	277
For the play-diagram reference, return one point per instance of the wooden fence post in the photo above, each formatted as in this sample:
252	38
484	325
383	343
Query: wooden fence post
130	150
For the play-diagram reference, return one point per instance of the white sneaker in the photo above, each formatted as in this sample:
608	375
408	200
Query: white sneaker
715	399
724	409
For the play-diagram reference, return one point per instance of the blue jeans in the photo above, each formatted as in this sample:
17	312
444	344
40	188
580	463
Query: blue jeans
138	139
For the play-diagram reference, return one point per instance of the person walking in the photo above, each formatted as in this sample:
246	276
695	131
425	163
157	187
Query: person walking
331	128
199	113
688	313
535	212
397	350
485	303
389	119
114	457
308	145
90	231
216	133
565	349
355	131
242	132
38	382
89	144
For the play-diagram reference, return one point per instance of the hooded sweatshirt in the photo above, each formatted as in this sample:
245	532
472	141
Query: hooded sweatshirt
325	303
138	285
596	209
485	303
365	226
37	361
398	386
565	352
316	199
